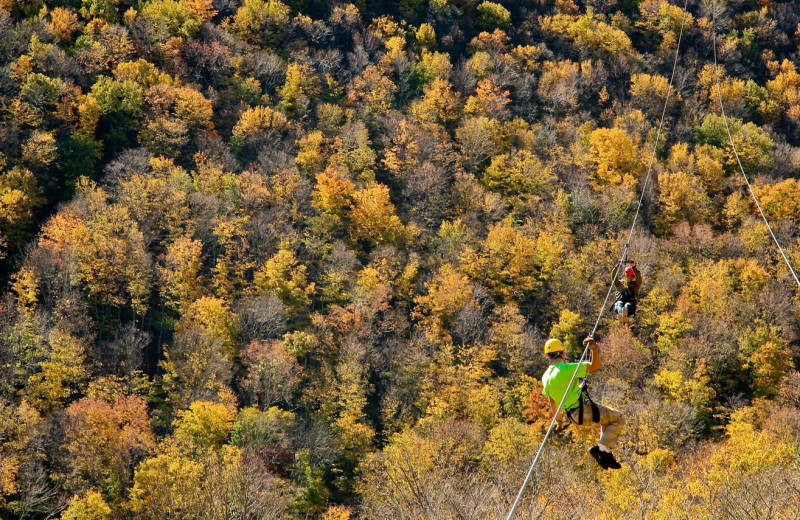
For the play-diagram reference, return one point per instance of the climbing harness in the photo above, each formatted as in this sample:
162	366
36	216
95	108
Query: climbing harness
616	270
584	397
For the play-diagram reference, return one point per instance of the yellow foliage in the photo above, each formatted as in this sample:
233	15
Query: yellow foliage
20	197
518	175
768	356
63	23
204	424
395	54
385	27
353	436
181	271
770	362
480	64
527	56
507	263
284	276
664	17
780	201
480	139
752	231
165	485
213	316
311	154
434	65
696	390
681	198
671	328
426	36
255	17
61	374
447	294
62	232
785	88
649	92
24	285
615	158
588	32
112	257
180	18
483	406
333	192
235	261
488	100
302	84
142	72
373	216
508	442
557	83
566	330
708	164
336	513
439	104
9	468
257	120
91	506
353	151
623	493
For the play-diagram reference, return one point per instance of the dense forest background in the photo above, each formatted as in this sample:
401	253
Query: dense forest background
299	260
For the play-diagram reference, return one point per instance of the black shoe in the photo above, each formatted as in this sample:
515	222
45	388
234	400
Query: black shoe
608	461
595	452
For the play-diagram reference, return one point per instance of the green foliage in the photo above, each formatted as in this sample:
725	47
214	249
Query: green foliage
125	98
753	144
177	17
493	16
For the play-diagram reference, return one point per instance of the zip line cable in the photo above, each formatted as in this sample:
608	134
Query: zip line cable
735	151
616	270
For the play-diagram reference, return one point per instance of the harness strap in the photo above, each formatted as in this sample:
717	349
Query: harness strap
595	408
595	412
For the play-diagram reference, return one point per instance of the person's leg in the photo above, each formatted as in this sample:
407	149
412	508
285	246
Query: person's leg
611	423
618	307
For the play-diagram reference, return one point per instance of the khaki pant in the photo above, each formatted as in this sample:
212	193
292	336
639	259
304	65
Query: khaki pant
611	422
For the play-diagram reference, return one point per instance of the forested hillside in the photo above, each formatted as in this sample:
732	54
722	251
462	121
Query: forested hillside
267	260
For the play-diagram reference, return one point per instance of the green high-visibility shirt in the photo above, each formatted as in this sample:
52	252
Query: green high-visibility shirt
556	379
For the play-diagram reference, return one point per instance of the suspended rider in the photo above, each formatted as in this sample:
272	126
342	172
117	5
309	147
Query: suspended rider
627	295
578	407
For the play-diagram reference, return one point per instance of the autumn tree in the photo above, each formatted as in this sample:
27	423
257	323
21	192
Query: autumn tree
104	441
20	197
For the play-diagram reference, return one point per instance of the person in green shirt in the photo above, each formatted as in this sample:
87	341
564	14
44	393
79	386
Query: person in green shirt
555	383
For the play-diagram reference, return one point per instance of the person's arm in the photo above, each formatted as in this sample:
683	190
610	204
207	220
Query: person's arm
594	356
638	281
615	277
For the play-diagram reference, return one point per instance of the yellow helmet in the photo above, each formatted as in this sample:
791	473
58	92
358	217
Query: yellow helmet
553	345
